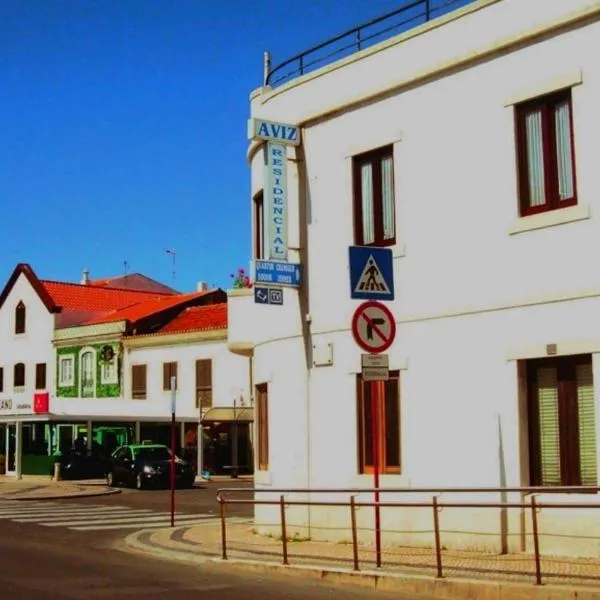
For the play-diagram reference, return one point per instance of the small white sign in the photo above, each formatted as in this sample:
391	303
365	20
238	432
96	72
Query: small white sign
375	367
276	132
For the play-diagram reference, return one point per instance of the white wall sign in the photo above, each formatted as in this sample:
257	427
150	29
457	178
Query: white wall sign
8	406
276	200
276	132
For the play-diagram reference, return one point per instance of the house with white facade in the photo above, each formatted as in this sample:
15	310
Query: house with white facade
66	372
467	145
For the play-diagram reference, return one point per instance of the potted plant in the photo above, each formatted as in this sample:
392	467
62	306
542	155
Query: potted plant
241	280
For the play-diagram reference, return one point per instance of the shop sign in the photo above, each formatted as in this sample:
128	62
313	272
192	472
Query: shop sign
8	406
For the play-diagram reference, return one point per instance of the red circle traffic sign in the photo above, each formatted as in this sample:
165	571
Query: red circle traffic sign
373	327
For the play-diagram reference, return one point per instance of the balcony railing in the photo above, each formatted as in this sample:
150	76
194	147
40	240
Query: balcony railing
528	504
358	38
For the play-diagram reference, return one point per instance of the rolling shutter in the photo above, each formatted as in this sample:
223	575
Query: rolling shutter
587	425
547	391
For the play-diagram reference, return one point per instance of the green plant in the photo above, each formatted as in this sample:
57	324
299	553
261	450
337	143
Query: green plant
241	280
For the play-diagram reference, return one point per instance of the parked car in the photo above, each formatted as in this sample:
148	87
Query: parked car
145	465
86	464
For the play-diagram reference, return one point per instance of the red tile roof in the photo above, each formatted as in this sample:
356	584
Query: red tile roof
74	296
134	281
199	318
141	310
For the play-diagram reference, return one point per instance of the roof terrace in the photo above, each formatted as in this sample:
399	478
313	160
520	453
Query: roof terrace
411	14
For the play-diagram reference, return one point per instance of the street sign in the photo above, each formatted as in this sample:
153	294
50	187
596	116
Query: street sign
285	133
373	327
375	367
268	295
269	272
371	273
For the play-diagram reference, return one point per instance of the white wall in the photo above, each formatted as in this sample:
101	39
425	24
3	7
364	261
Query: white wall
32	347
465	285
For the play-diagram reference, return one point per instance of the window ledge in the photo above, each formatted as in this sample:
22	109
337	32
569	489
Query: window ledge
262	477
551	218
19	389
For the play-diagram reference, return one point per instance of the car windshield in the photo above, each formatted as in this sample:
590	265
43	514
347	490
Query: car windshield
153	453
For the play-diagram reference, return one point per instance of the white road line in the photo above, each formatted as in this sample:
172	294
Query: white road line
139	519
166	523
40	512
83	517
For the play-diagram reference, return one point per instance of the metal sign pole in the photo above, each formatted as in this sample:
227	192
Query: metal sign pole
375	392
173	447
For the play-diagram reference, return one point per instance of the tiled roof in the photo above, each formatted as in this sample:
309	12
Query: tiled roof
134	281
199	318
74	296
146	308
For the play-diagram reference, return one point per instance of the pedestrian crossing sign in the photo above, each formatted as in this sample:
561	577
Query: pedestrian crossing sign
371	273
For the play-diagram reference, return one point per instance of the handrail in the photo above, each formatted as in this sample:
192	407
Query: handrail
436	504
302	61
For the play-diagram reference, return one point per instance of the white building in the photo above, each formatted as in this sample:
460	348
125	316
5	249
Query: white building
468	146
94	361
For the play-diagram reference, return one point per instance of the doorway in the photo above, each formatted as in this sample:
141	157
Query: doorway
11	449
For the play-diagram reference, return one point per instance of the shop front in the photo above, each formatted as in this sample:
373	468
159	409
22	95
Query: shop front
8	449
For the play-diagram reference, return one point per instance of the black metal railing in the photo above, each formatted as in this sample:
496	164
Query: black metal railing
411	14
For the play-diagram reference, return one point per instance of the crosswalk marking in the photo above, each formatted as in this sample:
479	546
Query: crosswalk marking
95	517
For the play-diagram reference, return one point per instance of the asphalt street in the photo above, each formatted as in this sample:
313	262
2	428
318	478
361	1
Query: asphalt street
41	562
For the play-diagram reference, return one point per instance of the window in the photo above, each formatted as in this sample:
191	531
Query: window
1	379
387	426
109	366
138	382
40	376
262	410
562	421
374	205
19	376
66	372
204	383
258	208
20	314
546	156
87	372
169	370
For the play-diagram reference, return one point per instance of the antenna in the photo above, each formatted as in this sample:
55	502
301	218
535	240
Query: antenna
125	268
172	253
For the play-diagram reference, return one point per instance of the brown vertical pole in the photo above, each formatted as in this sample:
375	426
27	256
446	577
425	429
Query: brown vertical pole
436	530
223	528
354	533
375	392
283	530
536	541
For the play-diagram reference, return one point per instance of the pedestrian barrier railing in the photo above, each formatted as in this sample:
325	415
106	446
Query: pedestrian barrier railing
413	13
529	504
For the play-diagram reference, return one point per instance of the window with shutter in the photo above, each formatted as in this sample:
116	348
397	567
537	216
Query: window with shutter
562	421
19	375
1	379
20	318
204	390
40	376
259	225
138	382
388	426
169	370
262	424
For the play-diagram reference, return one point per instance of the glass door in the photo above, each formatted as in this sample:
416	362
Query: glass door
11	449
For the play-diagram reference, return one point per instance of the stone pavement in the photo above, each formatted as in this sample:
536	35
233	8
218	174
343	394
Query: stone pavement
466	574
44	488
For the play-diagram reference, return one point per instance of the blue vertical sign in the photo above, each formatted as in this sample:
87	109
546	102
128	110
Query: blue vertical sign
276	200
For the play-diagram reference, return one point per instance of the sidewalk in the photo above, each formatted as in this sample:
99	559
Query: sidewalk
43	488
412	570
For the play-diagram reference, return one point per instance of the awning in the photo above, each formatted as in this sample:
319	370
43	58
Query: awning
228	414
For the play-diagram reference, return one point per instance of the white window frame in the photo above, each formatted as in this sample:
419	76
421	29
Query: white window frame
62	359
94	364
114	378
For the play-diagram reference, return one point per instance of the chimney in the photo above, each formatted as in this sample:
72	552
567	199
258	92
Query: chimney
86	277
202	286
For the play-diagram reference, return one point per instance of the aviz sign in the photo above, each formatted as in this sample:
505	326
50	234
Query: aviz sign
259	129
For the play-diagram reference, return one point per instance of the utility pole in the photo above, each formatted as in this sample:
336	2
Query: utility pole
172	252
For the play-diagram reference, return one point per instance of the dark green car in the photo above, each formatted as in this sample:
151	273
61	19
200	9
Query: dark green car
147	465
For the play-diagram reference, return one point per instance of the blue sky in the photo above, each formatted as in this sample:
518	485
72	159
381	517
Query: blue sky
123	128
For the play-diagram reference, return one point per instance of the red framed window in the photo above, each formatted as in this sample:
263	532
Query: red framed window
388	426
562	421
546	154
262	426
258	209
374	203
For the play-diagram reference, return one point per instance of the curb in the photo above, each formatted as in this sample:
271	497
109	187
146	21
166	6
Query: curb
446	588
107	492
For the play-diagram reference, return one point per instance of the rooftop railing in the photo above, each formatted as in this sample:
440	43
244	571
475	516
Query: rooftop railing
409	15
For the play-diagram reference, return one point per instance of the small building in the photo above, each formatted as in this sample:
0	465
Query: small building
466	145
65	373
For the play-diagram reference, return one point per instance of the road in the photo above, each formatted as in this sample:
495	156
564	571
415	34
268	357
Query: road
42	562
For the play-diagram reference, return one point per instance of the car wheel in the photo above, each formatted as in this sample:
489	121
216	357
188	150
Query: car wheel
139	482
110	479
